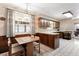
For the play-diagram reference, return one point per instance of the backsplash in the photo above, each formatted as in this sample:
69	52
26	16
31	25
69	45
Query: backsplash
47	30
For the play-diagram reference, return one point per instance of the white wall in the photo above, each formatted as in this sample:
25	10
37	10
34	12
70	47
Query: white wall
68	25
2	27
2	23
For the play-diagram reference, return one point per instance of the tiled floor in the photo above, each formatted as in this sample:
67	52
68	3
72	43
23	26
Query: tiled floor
43	50
67	48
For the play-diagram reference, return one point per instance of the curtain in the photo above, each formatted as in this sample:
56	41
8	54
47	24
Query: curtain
9	22
33	24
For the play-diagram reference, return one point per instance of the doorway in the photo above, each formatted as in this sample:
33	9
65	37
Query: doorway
76	32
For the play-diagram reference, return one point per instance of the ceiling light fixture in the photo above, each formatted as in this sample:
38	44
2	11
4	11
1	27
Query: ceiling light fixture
68	14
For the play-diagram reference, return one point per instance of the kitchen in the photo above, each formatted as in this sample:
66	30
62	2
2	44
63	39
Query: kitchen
22	26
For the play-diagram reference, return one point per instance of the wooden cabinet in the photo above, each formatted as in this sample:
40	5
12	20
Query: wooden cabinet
49	40
43	38
53	41
44	23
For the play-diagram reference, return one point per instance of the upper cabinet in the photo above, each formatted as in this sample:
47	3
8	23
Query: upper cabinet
44	23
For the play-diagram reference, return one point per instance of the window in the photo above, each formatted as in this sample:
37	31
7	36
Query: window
16	28
22	27
22	22
77	26
28	29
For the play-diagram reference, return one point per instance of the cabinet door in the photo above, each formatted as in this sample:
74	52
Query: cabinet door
45	39
41	37
50	41
53	41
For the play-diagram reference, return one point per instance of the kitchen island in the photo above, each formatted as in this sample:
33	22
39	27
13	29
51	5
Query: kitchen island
49	39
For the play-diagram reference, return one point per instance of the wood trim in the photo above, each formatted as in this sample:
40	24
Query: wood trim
48	19
22	35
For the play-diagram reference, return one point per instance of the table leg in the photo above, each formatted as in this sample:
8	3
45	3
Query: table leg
29	49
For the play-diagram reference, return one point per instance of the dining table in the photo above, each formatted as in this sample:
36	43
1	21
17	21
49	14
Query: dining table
28	42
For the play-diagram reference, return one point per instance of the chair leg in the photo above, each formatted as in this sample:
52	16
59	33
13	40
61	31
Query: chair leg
9	53
24	52
39	47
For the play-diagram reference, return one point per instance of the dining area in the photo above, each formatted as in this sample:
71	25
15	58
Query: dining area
24	46
20	34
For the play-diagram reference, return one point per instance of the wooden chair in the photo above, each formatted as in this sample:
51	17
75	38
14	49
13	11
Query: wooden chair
15	49
36	44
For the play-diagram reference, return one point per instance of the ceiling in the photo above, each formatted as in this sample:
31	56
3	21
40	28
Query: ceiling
52	10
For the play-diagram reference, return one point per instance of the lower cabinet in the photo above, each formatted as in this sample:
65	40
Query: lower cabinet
50	40
3	44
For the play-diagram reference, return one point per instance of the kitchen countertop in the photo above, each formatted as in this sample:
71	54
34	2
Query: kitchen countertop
49	33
